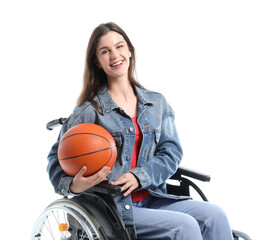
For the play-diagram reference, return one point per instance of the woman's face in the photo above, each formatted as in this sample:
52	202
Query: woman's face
113	55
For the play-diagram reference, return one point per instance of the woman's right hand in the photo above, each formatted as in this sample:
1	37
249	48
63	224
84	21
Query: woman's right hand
81	183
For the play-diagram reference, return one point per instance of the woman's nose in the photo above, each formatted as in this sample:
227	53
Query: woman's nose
114	54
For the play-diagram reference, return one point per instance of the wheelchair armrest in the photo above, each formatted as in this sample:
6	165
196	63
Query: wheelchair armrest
55	123
190	173
104	187
240	234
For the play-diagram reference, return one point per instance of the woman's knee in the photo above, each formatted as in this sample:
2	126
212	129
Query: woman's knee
216	224
217	215
169	225
187	228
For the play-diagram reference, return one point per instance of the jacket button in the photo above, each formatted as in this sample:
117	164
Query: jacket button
131	129
127	207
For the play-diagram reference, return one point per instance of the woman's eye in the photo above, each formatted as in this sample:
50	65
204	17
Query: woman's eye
104	51
119	46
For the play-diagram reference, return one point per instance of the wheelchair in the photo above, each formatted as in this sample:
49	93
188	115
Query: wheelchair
96	218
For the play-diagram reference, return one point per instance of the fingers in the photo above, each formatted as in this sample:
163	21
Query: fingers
129	183
81	172
122	180
100	175
81	183
129	187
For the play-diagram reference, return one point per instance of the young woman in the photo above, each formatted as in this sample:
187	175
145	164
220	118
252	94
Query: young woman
149	151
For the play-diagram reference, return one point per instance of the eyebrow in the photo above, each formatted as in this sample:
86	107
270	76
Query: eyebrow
115	45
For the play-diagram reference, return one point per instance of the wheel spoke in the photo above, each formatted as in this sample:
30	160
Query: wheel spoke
65	220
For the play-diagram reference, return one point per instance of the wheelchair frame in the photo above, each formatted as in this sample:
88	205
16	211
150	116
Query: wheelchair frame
95	217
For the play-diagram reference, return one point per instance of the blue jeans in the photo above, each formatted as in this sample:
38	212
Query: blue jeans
160	218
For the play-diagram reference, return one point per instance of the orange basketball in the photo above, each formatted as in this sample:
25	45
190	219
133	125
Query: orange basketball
89	145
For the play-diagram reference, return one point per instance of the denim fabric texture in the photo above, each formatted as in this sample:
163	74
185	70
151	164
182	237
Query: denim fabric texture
160	152
168	219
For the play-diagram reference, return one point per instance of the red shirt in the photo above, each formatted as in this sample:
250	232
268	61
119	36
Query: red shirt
142	194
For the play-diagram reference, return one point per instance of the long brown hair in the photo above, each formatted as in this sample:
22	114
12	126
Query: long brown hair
94	77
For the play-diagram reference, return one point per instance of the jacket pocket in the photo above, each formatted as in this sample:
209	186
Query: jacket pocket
150	142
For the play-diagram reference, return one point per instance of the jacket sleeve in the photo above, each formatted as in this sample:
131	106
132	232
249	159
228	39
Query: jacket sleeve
59	179
167	157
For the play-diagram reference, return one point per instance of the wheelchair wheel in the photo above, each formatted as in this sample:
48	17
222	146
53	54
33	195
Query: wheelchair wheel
65	219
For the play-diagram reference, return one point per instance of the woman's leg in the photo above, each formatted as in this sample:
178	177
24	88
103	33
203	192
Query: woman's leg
212	219
164	224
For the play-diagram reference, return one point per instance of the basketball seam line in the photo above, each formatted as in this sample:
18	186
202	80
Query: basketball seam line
87	153
74	134
103	165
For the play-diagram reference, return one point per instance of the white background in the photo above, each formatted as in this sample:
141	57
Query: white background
211	59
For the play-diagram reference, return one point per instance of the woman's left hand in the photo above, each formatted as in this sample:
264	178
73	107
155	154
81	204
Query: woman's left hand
128	182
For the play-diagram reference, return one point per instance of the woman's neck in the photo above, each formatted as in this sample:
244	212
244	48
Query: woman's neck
121	90
124	96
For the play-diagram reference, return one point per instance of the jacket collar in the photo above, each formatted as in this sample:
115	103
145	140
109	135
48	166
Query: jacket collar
107	104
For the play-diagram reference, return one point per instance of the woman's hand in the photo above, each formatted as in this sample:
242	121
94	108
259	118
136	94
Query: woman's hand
129	182
81	183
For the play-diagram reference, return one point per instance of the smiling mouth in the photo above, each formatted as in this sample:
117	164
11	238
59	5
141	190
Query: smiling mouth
117	63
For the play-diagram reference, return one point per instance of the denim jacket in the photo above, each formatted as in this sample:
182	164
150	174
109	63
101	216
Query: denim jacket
160	152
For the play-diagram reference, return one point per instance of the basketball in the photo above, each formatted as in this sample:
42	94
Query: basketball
89	145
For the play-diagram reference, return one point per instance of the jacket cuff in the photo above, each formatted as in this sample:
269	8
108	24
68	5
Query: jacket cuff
143	177
64	187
